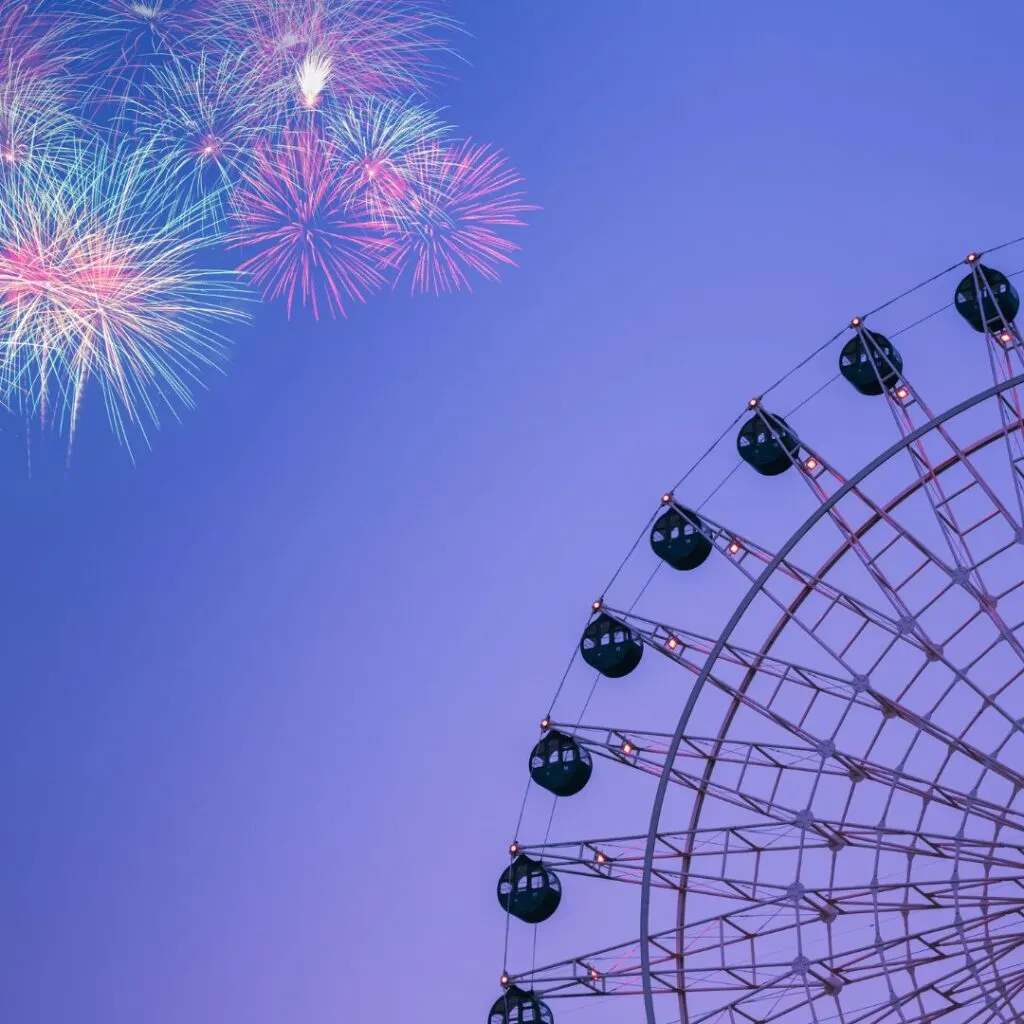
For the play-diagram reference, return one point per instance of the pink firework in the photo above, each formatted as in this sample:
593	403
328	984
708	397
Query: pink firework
451	216
291	210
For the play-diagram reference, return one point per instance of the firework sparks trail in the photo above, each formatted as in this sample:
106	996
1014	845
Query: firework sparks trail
373	137
130	39
31	40
312	78
280	35
460	195
136	26
37	122
291	210
201	119
388	48
37	92
99	287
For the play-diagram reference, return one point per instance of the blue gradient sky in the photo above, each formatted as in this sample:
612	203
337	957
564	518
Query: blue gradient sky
269	693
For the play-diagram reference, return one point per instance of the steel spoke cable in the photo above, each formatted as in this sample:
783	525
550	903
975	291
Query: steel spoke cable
547	834
814	394
803	362
728	476
1002	245
923	319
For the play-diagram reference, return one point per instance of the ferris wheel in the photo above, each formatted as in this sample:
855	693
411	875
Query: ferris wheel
811	808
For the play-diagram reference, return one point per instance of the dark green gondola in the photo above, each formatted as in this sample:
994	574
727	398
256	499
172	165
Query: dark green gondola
871	363
611	647
515	1006
678	539
528	890
999	300
560	765
766	443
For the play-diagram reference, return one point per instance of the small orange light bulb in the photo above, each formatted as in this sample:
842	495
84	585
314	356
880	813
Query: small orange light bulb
627	747
734	548
902	393
811	464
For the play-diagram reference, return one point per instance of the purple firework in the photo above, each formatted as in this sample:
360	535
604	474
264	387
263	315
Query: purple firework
448	221
290	212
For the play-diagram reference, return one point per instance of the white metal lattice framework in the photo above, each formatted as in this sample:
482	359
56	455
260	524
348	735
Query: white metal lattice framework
852	848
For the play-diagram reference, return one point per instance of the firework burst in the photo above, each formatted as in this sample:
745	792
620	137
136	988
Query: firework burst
450	217
201	120
130	38
137	27
36	118
38	95
312	77
280	36
389	48
309	52
32	40
134	133
99	290
373	139
291	212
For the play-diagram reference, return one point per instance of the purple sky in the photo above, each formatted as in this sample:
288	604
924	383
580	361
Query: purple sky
269	693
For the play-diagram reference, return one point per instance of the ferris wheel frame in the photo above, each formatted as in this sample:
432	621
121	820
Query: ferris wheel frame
822	510
675	959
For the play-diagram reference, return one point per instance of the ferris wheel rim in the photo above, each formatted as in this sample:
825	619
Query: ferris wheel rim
820	512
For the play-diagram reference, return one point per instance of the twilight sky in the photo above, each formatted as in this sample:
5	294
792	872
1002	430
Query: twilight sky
269	693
